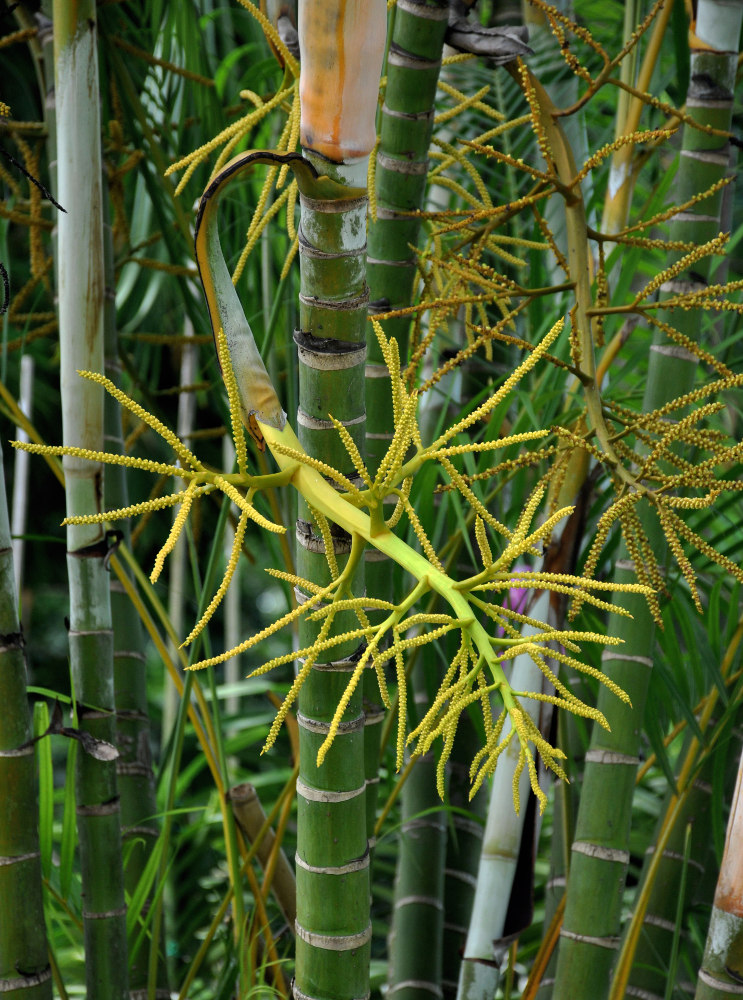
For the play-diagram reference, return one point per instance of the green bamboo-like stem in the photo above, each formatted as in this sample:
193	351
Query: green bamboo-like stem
563	819
600	854
721	971
339	41
415	952
463	846
406	123
401	168
134	772
24	968
659	923
333	929
81	286
374	714
680	865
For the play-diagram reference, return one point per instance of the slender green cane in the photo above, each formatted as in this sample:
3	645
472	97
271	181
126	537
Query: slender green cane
600	852
81	286
463	847
134	767
649	969
401	168
24	966
333	926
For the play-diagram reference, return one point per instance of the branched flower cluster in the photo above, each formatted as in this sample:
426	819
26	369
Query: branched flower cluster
657	465
489	635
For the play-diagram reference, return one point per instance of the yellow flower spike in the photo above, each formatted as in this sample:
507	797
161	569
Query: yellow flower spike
464	102
499	395
479	446
402	493
631	139
384	693
487	712
680	556
342	706
325	470
446	686
324	526
371	181
683	429
418	640
446	750
348	694
313	651
466	196
353	452
286	705
297	581
293	139
516	780
425	732
490	764
363	618
259	226
240	501
178	522
291	208
545	529
225	154
527	515
291	254
461	699
402	709
235	553
477	505
354	604
603	527
527	732
490	743
391	354
299	680
139	411
705	548
276	626
400	444
379	333
421	535
145	507
459	155
424	618
233	397
685	263
572	704
585	668
535	786
192	160
643	559
539	580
